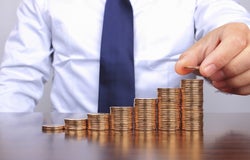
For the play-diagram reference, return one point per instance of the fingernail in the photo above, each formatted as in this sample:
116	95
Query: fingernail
209	70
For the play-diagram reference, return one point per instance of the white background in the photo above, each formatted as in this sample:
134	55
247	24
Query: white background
214	101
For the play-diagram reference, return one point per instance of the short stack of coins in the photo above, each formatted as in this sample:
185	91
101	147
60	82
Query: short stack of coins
169	109
75	127
121	118
53	128
145	114
75	124
98	121
192	104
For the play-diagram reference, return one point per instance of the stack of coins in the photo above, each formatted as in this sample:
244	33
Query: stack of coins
192	104
75	124
53	128
121	118
98	121
145	114
75	128
169	109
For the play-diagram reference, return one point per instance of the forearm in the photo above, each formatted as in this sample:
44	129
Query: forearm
26	61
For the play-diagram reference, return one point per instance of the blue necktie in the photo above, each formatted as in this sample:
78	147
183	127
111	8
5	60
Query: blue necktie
117	82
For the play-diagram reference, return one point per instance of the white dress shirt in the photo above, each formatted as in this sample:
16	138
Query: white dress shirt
63	37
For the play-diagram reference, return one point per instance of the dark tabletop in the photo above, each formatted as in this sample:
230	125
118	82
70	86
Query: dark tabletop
225	136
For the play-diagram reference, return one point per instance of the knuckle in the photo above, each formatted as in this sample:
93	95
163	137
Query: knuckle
221	61
231	70
238	34
239	41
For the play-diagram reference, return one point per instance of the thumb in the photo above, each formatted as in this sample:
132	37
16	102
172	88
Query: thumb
185	60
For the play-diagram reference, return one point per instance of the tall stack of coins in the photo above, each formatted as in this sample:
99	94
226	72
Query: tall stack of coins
169	109
192	104
121	118
145	114
98	121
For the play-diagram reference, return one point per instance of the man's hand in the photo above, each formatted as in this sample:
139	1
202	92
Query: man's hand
223	56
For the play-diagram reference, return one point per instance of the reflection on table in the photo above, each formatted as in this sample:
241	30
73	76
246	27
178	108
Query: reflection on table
225	136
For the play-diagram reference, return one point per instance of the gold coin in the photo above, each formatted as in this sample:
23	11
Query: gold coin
192	67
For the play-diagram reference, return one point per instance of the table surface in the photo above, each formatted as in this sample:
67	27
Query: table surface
225	136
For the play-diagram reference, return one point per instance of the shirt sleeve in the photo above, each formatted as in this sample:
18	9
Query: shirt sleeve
26	60
210	14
